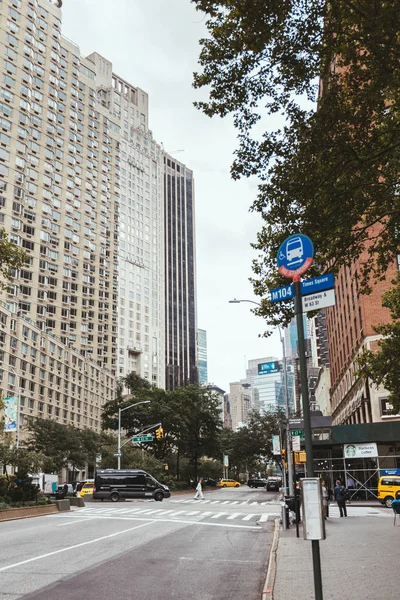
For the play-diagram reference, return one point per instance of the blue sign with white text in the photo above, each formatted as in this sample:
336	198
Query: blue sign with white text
295	255
317	284
308	286
268	368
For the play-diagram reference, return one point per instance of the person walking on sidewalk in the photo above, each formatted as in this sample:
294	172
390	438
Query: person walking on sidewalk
325	499
199	491
340	497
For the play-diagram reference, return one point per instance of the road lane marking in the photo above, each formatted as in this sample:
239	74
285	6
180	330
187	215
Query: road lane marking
191	513
235	502
218	515
264	517
84	519
226	502
156	519
248	517
103	537
234	515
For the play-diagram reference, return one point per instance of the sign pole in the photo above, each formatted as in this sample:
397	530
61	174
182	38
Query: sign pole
307	425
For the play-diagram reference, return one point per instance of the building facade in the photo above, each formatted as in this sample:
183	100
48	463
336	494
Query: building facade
180	276
350	330
50	379
105	217
141	335
202	355
239	404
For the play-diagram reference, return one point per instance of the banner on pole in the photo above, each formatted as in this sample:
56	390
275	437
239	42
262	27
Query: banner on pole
276	445
10	413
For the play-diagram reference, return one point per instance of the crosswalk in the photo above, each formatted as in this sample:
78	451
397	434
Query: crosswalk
157	513
230	502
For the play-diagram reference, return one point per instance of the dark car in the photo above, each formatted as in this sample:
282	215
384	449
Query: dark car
209	482
273	484
127	483
256	483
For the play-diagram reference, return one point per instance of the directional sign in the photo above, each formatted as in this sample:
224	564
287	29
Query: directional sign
308	286
317	301
297	432
142	438
317	284
295	255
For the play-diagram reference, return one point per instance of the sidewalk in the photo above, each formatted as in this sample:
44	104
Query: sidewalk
359	561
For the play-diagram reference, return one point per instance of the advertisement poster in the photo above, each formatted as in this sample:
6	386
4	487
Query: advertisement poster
276	445
10	414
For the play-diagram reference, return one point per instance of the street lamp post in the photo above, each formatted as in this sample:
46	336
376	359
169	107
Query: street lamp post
121	410
287	412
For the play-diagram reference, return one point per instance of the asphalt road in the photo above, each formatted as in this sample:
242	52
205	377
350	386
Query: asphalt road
211	549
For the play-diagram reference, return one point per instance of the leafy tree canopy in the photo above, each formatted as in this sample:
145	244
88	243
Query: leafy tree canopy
383	366
332	174
11	257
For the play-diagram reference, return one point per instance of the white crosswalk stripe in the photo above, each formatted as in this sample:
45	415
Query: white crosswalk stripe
234	515
264	517
248	517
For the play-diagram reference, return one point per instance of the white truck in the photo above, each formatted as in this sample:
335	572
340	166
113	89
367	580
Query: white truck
48	483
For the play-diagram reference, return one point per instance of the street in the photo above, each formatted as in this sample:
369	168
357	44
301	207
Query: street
212	548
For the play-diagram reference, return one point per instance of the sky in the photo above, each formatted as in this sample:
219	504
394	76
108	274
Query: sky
154	44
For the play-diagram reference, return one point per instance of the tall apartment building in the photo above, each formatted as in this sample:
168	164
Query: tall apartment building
60	183
59	199
350	329
180	275
141	346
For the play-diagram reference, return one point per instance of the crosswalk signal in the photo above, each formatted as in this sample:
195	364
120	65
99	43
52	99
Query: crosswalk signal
159	433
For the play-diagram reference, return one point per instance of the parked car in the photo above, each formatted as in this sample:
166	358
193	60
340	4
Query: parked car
87	489
273	484
223	483
256	483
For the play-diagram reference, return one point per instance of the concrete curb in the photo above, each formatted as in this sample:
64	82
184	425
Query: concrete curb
268	592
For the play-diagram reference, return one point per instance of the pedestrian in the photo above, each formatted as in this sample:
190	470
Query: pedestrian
325	499
340	497
199	491
65	489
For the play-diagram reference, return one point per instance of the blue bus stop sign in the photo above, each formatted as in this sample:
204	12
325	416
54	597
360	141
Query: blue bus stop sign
295	256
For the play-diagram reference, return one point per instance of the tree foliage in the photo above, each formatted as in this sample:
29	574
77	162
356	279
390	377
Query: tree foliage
383	366
331	173
63	445
11	257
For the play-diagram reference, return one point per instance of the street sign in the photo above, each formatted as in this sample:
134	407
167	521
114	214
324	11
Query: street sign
142	438
308	286
268	368
281	293
117	453
295	255
320	300
297	432
317	284
296	444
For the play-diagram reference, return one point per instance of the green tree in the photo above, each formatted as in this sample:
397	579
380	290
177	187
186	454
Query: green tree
200	422
331	173
63	445
11	257
383	366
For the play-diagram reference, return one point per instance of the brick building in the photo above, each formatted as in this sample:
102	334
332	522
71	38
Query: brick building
350	330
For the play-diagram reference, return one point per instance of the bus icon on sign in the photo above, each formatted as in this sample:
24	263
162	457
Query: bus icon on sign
294	251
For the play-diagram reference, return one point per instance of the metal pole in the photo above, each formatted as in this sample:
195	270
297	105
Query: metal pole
307	425
119	439
288	445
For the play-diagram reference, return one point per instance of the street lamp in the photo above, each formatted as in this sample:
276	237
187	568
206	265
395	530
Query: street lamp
121	410
285	383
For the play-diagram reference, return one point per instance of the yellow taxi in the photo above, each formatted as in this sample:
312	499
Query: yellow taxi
388	487
223	483
87	489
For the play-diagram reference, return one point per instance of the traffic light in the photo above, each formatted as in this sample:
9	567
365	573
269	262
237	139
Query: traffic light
159	433
283	454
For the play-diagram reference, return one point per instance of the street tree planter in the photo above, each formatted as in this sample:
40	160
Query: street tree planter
27	511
